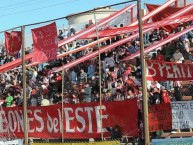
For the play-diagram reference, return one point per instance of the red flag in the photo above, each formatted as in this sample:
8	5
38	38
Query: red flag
13	42
45	43
81	121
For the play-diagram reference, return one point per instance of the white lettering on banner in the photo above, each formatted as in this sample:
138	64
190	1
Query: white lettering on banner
30	120
176	71
88	110
12	121
52	124
189	74
97	111
182	114
19	117
150	67
60	119
42	55
169	75
161	69
45	43
2	121
68	119
75	120
164	70
49	30
81	120
40	120
183	74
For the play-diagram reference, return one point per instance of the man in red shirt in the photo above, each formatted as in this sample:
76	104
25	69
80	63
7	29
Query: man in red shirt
159	56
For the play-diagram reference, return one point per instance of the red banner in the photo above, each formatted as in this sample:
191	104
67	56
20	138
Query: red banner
155	12
13	42
160	117
45	43
80	120
62	42
162	71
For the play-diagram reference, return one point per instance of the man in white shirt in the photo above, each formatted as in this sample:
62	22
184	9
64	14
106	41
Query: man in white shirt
178	57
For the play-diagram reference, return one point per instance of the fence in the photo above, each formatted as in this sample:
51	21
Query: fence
32	92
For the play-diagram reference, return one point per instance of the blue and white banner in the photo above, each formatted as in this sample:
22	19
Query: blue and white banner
12	142
173	141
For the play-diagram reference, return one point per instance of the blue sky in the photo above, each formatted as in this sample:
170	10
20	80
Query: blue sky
20	12
14	13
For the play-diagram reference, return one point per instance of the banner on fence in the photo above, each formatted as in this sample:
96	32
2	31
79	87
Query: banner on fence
80	120
160	117
12	142
182	114
87	143
161	71
176	115
13	42
45	43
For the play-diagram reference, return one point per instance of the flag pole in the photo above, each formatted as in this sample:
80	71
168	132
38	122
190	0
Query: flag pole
144	82
25	120
100	89
62	105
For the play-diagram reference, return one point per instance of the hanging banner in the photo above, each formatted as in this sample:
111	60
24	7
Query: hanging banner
165	71
81	121
62	42
13	42
82	143
182	114
155	11
160	117
45	43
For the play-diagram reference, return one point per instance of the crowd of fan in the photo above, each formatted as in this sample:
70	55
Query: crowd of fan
119	80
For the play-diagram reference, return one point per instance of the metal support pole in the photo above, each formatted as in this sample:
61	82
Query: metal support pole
185	3
25	118
100	82
144	83
131	14
62	105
